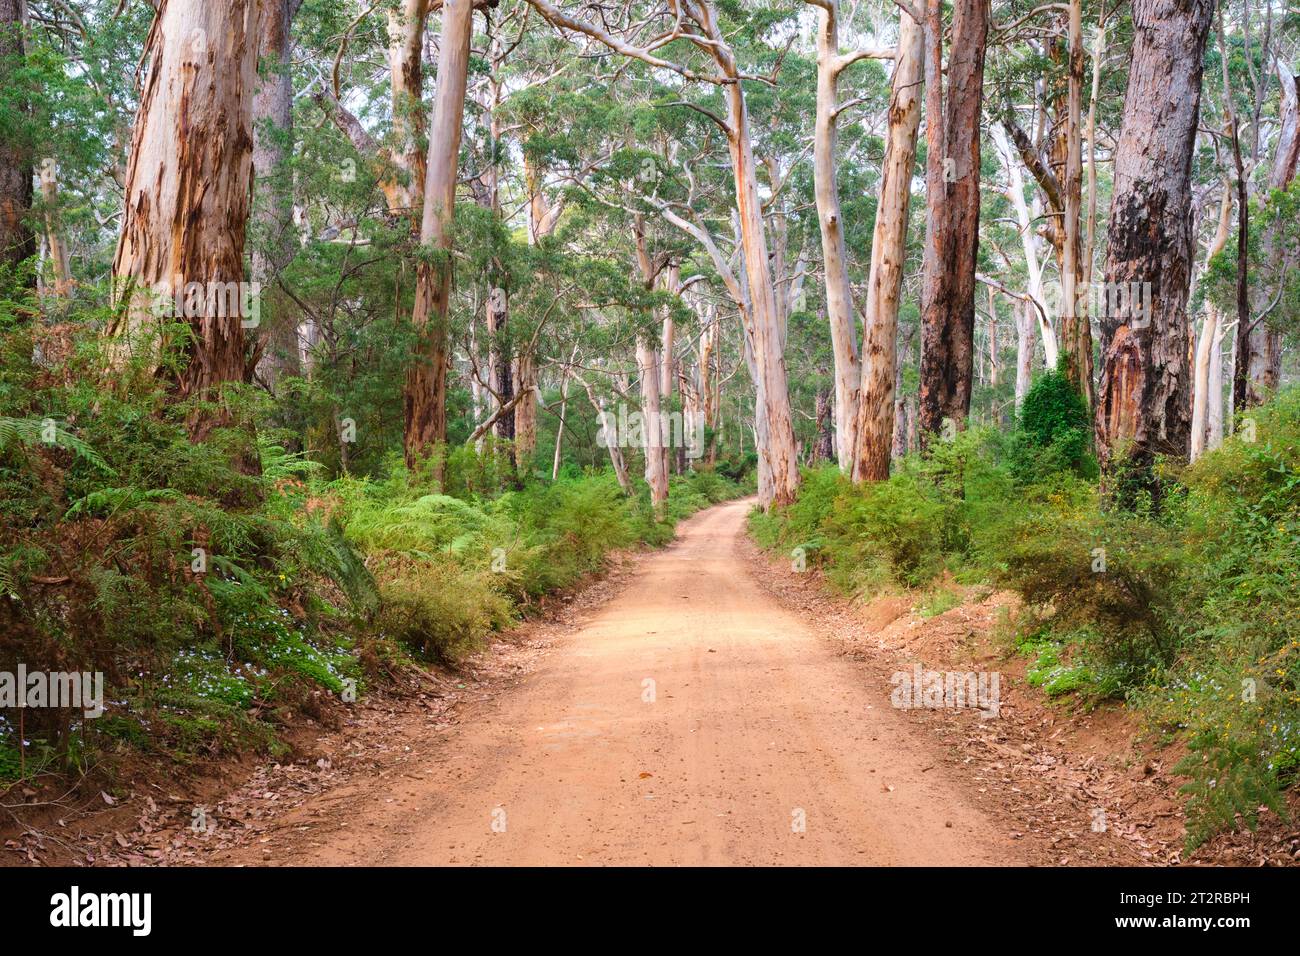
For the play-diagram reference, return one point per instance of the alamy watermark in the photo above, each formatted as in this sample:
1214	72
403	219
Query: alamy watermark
81	690
936	690
632	429
75	908
179	299
1117	300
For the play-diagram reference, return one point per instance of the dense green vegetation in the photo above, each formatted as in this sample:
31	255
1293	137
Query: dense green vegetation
217	602
335	337
1190	611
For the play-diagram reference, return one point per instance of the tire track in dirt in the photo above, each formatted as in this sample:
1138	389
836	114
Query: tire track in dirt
751	726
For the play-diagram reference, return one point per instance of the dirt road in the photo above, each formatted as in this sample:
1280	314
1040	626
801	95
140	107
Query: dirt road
690	720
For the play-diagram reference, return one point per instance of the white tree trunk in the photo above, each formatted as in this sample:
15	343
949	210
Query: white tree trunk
1028	243
656	470
768	335
874	434
1025	323
839	298
1211	331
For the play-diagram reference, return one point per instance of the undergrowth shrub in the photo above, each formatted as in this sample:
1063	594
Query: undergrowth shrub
1053	431
1189	609
215	596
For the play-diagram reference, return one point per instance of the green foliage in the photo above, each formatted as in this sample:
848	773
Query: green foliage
1055	677
1053	431
1191	611
1229	781
451	571
938	601
441	611
205	593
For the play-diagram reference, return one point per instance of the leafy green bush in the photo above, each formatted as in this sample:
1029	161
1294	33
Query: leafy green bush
1053	431
1191	610
441	611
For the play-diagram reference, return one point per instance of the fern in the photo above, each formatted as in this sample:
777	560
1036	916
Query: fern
279	464
111	500
36	431
1228	780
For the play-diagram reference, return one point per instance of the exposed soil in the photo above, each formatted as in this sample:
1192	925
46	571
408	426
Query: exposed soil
1061	768
704	704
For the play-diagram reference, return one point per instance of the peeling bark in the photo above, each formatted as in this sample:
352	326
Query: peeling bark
1076	332
425	394
768	336
405	188
876	408
830	220
188	186
952	212
1144	395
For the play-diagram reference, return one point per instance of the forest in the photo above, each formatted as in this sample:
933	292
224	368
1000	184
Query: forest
339	339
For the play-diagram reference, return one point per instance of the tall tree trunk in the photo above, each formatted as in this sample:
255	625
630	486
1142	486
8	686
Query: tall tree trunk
542	219
54	238
652	422
778	446
1211	331
668	370
400	165
1262	366
1144	398
17	240
899	443
839	298
616	460
995	360
525	410
273	244
1214	398
564	412
425	395
500	377
952	212
824	445
1246	357
187	192
405	189
1033	269
1076	333
875	431
763	469
1098	52
1026	319
648	373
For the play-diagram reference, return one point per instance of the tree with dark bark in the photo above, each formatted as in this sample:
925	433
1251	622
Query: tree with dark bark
1145	389
952	212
